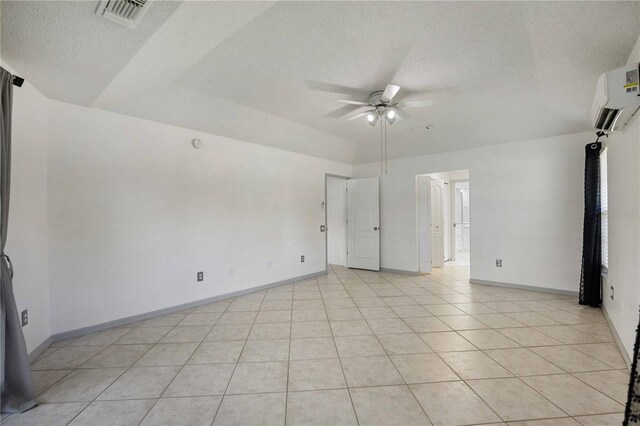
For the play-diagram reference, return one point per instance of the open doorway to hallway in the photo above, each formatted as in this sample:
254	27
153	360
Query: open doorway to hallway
444	225
336	220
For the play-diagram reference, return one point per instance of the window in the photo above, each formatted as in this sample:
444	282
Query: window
604	209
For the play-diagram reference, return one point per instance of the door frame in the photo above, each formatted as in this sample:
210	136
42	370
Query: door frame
452	214
326	230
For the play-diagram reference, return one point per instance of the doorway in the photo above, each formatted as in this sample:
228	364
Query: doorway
336	220
443	219
352	222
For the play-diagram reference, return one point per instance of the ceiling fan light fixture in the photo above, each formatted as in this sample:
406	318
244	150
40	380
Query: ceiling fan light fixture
372	118
391	116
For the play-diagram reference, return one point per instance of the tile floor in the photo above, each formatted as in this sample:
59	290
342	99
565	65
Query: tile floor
350	347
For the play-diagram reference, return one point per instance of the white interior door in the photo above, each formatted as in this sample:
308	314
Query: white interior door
437	223
424	220
363	223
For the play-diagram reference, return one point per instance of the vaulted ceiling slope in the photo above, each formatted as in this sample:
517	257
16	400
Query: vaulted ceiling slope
259	71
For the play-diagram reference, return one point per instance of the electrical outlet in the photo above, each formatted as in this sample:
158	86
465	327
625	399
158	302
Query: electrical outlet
302	259
200	276
25	317
498	263
611	294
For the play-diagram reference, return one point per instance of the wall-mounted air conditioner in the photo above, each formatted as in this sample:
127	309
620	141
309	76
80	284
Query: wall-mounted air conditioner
617	98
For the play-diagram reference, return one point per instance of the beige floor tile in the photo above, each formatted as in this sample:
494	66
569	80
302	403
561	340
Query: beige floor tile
569	359
44	379
423	368
601	420
217	352
605	352
315	375
452	403
474	365
271	317
388	326
81	385
370	371
325	407
122	413
117	356
387	405
444	309
528	336
344	314
427	324
564	421
522	362
189	334
462	322
46	414
196	411
167	354
259	377
228	332
380	312
447	341
68	357
356	346
301	330
239	317
572	395
144	335
350	328
313	348
170	320
601	331
243	410
567	335
403	344
219	306
613	383
369	302
265	350
200	380
307	304
531	319
309	315
339	303
488	339
513	400
498	320
564	317
101	338
410	311
205	318
140	383
270	331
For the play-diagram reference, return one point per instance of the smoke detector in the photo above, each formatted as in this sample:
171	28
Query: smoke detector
124	12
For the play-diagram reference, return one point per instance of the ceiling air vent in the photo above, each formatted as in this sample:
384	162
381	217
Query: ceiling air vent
124	12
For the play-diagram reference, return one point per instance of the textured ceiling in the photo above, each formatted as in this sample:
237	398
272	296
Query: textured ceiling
497	71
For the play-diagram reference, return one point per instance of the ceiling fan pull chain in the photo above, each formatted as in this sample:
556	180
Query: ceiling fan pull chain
381	146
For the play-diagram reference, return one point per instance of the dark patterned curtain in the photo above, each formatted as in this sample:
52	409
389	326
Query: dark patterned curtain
632	413
590	287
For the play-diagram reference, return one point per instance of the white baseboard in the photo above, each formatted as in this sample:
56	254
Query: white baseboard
523	287
172	309
41	348
621	347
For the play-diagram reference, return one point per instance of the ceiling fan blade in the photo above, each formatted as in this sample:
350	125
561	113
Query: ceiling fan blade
362	114
389	93
415	104
334	88
347	101
342	111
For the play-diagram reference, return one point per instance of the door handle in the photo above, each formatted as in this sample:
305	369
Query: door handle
375	228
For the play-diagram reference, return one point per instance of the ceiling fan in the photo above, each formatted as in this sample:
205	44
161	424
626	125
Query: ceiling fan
382	103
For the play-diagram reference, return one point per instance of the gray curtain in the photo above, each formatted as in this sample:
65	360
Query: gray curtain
17	388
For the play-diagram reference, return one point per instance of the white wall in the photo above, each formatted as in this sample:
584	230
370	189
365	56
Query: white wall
527	209
337	221
28	229
135	212
624	227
